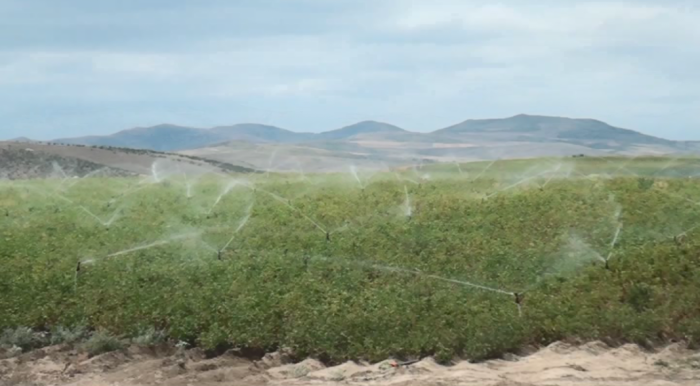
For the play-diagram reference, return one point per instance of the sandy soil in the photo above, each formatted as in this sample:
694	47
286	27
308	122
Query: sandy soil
558	364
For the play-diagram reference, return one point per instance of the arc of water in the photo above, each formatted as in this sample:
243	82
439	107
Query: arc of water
469	284
515	184
154	244
290	206
407	204
88	175
269	162
353	171
154	172
240	226
59	169
224	192
666	166
624	166
107	223
459	168
685	232
614	242
430	276
484	170
620	167
552	176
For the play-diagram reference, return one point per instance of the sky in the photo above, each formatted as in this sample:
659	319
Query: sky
81	67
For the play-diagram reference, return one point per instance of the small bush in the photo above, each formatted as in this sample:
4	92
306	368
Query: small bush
101	342
150	337
645	183
23	337
640	297
65	335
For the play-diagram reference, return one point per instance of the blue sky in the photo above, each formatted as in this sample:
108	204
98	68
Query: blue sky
80	67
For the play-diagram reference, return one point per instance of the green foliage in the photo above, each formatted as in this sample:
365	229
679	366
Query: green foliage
640	297
384	284
645	183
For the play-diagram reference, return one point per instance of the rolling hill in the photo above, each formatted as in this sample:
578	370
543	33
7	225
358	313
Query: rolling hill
19	160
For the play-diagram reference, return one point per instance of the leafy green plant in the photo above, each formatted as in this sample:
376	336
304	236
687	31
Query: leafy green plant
337	270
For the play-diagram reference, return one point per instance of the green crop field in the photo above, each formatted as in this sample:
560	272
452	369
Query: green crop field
470	260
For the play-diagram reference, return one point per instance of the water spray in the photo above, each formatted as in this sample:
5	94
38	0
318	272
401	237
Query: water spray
353	171
612	246
104	223
484	170
224	192
459	167
153	244
292	207
408	211
515	184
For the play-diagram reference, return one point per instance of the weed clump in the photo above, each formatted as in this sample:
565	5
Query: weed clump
22	339
67	335
101	342
150	337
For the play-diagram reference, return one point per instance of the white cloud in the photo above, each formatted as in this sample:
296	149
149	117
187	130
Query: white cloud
415	63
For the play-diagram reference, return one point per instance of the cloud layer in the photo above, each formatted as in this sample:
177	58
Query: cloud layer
85	67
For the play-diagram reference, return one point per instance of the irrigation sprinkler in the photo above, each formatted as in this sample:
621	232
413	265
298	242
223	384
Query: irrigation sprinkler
328	236
77	273
519	297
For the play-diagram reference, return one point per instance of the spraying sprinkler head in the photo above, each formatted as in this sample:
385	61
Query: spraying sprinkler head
77	267
218	255
328	236
607	265
519	298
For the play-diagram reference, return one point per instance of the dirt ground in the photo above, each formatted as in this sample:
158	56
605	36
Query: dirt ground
559	364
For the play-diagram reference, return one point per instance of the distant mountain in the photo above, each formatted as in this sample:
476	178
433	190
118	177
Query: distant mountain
163	137
380	143
168	137
360	128
22	139
253	132
171	137
537	128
